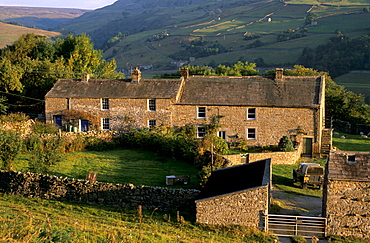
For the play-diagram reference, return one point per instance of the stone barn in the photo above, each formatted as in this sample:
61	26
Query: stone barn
238	195
346	196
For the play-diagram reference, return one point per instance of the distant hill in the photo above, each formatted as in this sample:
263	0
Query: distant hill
42	18
10	33
164	34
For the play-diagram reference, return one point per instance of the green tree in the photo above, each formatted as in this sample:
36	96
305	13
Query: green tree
3	107
33	64
10	146
10	76
43	152
340	103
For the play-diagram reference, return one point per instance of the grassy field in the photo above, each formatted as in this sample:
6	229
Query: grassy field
121	166
357	82
351	143
10	33
36	220
236	21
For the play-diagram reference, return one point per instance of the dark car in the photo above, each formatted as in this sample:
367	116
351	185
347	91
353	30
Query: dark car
309	174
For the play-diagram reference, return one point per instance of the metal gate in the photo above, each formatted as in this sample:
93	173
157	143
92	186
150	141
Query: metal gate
288	225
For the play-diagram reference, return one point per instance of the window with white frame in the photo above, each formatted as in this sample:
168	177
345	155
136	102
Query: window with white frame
201	131
105	123
105	104
152	123
201	112
222	134
251	133
152	105
251	114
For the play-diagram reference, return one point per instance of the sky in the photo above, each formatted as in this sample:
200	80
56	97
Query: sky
81	4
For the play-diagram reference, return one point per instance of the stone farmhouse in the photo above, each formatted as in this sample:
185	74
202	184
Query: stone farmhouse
259	109
346	197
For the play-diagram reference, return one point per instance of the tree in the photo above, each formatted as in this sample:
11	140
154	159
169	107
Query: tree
10	146
43	152
340	103
33	64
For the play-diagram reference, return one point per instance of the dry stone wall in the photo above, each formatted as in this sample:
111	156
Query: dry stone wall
117	195
347	207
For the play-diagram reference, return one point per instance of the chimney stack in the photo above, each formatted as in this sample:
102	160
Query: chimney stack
135	75
85	77
279	74
184	73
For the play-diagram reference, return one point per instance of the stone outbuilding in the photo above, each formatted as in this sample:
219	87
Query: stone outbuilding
238	195
346	194
258	109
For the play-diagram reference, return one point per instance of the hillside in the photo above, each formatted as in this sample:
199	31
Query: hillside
165	34
10	33
42	18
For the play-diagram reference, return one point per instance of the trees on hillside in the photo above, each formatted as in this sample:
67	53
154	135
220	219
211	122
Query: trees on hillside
341	104
340	55
33	63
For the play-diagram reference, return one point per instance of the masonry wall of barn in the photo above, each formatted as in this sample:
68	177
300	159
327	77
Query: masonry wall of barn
132	113
117	195
348	208
346	194
244	208
268	123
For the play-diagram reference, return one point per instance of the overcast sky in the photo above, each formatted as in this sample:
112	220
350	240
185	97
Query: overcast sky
82	4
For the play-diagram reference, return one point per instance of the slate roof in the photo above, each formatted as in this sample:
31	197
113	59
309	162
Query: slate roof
344	165
236	178
115	88
292	91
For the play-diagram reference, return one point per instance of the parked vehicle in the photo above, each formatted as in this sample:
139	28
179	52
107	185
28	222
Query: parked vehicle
309	174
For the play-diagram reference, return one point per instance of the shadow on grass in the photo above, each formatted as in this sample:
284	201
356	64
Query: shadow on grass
286	184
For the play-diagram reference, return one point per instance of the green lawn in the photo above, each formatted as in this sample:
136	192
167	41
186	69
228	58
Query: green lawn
351	143
283	175
123	166
37	220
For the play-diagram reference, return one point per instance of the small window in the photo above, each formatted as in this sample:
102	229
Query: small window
105	104
105	124
222	134
152	105
201	132
251	133
152	123
352	159
202	112
68	103
251	114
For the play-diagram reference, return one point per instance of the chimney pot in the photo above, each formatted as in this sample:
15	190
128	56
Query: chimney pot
279	74
135	75
85	77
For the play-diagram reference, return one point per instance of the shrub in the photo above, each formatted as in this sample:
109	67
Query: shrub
45	128
43	152
286	144
10	146
298	239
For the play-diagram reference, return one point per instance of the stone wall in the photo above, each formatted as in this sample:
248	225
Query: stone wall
286	158
117	195
123	113
244	208
347	208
